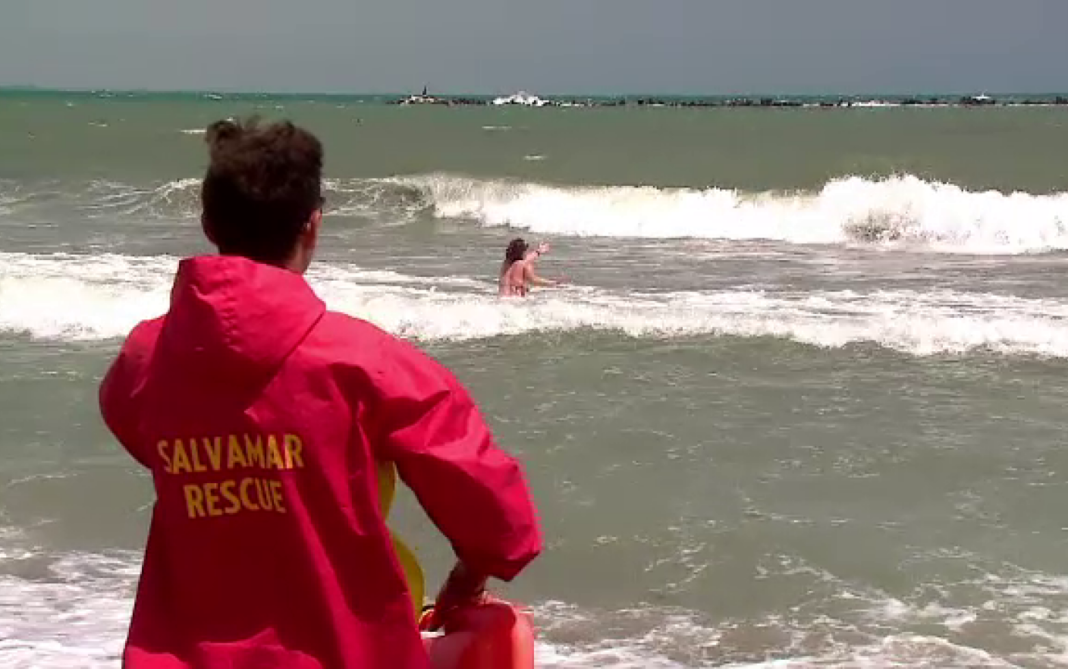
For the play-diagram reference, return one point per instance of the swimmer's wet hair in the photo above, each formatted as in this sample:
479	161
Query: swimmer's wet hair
262	185
517	248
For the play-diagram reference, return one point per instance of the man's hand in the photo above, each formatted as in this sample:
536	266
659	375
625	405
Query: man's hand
462	588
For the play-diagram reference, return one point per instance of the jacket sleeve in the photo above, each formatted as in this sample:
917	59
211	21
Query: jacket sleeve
472	490
117	398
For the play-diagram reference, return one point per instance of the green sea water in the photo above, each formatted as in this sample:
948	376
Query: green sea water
801	404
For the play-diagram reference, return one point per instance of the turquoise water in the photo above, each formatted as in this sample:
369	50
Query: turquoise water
802	402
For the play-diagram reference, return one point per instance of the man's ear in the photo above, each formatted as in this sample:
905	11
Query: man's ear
309	237
311	228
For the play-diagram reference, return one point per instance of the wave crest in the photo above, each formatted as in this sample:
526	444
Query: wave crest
902	211
100	297
378	199
851	210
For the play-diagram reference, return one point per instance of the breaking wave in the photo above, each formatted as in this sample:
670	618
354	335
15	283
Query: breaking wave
902	211
70	297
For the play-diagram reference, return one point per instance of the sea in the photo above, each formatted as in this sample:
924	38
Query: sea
803	401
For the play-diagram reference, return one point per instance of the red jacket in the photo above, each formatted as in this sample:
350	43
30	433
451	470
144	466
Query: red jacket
261	416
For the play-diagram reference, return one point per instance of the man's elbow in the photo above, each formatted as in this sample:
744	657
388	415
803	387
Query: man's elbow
522	549
517	565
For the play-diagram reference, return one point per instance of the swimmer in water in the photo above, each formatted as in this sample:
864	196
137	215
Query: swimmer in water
517	271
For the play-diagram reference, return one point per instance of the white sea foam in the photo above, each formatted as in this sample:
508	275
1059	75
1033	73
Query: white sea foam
71	297
902	210
71	610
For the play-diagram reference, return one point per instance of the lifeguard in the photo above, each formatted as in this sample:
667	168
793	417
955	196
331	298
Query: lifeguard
267	423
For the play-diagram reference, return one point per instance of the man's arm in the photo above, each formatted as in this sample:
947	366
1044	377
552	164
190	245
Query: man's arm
473	491
116	393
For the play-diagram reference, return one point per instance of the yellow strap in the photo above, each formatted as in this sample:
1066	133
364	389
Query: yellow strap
413	573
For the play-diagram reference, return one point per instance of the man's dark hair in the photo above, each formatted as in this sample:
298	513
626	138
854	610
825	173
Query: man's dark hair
262	185
517	248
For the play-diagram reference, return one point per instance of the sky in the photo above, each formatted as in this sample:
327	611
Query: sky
540	46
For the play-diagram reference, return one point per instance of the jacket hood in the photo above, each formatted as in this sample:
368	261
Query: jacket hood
233	316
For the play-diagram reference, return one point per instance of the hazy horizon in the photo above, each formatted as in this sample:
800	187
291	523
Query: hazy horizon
30	88
552	47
